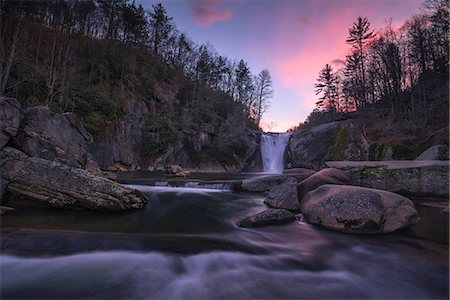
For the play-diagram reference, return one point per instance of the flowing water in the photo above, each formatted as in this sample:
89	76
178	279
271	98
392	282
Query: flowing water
272	148
184	244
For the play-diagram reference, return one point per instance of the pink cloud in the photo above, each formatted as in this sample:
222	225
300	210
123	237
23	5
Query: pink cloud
207	12
322	40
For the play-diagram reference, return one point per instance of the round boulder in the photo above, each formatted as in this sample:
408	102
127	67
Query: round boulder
267	217
356	209
324	176
284	195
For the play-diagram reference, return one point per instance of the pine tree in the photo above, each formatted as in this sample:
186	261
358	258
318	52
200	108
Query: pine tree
358	35
327	85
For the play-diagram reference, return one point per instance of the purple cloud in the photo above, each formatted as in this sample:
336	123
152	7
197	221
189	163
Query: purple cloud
207	12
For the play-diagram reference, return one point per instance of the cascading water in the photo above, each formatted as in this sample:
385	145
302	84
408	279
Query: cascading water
272	151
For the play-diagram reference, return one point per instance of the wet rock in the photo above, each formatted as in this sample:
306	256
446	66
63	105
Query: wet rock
437	152
416	177
284	195
10	118
357	209
324	176
5	210
266	182
267	217
176	170
57	185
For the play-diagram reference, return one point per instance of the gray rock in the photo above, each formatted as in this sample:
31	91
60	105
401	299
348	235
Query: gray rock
52	136
121	142
56	185
5	210
419	177
298	171
284	195
10	118
262	183
358	210
324	176
437	152
267	217
266	182
312	144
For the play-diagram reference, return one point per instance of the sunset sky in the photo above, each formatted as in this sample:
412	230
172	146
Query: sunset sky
292	39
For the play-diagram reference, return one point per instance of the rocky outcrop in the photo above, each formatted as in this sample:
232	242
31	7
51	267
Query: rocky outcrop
267	217
420	178
324	176
284	195
436	152
351	140
266	182
57	185
176	170
311	145
358	210
59	137
10	118
122	140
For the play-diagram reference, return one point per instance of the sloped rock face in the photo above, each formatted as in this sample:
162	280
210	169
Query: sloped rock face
57	185
313	144
324	176
436	152
122	141
267	217
284	195
10	118
358	210
59	137
416	177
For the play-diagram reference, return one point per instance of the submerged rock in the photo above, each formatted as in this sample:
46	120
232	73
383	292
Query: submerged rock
437	152
57	185
324	176
267	217
284	195
357	209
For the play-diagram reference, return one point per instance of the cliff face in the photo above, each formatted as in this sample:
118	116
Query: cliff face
121	142
356	140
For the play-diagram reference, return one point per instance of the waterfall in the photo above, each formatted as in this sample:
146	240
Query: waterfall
272	151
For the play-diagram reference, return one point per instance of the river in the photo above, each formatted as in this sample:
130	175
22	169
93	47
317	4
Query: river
184	244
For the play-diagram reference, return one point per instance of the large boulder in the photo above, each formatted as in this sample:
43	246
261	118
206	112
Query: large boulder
358	210
266	182
436	152
10	118
284	195
267	217
57	185
324	176
416	177
51	136
121	142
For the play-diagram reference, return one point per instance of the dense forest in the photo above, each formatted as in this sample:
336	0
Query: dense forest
394	76
90	56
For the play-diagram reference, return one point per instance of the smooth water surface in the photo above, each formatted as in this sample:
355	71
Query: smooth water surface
184	245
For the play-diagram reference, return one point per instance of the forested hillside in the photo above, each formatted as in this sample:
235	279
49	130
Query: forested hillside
393	83
113	63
